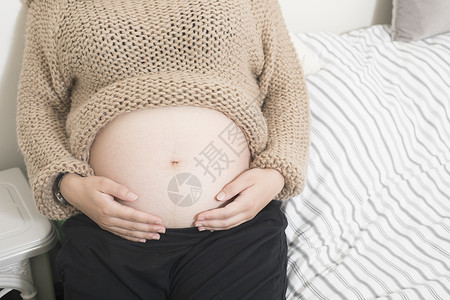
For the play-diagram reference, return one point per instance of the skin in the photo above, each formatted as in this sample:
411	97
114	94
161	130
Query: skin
94	196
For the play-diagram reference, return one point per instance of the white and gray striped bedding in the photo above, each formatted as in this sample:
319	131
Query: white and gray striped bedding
373	221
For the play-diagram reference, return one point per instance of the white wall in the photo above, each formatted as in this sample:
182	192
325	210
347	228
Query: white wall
335	15
12	31
300	15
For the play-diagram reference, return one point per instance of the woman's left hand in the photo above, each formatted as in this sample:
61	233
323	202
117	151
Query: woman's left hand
256	188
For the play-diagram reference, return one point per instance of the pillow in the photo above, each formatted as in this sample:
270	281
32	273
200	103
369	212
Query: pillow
417	19
310	61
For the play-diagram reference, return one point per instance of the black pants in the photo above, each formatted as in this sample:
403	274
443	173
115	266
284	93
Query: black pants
246	262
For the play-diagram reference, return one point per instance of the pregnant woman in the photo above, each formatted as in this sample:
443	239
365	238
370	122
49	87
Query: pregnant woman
166	134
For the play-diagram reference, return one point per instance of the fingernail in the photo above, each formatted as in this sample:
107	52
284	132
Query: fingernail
142	240
201	229
199	225
221	196
132	196
158	222
156	237
162	230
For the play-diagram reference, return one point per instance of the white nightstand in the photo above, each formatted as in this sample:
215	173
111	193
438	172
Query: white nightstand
25	239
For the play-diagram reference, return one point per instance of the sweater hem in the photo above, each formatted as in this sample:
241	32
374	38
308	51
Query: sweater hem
240	104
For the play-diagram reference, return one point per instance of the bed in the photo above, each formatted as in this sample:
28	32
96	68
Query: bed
373	221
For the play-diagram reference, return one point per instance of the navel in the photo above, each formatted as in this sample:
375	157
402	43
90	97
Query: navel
174	163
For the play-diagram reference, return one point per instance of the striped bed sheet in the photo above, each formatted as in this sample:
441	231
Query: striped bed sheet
373	221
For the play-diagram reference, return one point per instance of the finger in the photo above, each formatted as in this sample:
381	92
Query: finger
117	190
233	208
132	233
224	217
133	215
234	187
133	239
225	224
136	226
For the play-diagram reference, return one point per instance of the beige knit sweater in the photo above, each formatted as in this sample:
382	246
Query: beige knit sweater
85	62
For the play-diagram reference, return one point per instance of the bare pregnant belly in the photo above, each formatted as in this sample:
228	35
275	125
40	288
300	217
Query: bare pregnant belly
176	159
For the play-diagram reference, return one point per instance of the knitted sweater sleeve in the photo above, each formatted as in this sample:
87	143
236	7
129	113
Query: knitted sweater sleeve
285	106
43	103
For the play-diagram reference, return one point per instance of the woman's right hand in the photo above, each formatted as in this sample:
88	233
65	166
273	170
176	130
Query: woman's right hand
94	196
